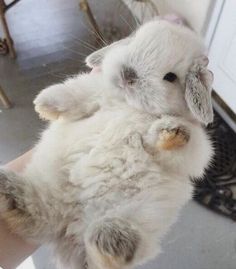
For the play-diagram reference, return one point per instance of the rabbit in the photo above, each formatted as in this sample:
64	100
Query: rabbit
112	170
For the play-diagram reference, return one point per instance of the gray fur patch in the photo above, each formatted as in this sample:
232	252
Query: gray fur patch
7	189
117	238
21	209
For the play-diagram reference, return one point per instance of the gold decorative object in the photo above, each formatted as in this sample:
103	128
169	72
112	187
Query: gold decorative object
4	99
6	44
145	9
138	10
84	6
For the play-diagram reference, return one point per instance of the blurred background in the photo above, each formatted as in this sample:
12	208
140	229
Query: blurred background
43	42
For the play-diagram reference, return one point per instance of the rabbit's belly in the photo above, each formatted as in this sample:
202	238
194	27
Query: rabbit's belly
114	196
64	144
111	179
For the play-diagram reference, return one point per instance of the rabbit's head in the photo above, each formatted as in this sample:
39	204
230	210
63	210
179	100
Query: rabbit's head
160	69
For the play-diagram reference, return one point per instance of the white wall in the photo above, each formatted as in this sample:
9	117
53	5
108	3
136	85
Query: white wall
196	12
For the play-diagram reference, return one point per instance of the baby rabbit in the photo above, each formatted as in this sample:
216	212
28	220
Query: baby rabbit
111	172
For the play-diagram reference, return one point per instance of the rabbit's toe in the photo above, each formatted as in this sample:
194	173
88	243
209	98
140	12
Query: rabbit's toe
171	139
47	112
52	102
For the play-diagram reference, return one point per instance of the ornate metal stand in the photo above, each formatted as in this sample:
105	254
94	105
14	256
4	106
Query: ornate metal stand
147	6
218	189
147	9
6	44
84	6
4	99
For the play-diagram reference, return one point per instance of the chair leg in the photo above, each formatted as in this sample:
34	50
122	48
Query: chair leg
7	35
4	99
84	6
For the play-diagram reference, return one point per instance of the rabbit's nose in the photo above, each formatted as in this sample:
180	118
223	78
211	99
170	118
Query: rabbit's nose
129	75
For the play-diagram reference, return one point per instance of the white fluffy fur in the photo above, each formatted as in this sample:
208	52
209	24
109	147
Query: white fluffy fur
93	161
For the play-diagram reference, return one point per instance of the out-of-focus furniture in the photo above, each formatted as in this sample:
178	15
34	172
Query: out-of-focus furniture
146	10
84	6
4	99
6	44
221	41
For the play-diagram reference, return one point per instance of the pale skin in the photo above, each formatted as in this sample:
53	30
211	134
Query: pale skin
13	249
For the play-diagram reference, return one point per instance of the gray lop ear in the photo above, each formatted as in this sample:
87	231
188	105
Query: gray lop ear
198	90
95	59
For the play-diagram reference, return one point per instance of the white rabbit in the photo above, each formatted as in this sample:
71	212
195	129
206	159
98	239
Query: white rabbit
111	172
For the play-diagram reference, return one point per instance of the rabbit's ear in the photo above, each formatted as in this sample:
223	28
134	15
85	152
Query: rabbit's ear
198	90
95	59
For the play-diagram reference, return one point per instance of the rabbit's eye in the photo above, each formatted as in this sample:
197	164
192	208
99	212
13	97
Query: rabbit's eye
171	77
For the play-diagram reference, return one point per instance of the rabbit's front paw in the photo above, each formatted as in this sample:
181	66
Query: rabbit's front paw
170	139
53	102
47	112
166	134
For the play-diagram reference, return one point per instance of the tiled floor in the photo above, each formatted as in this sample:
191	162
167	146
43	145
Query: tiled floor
48	36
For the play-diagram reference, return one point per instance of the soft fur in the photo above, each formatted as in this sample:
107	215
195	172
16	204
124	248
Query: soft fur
111	172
